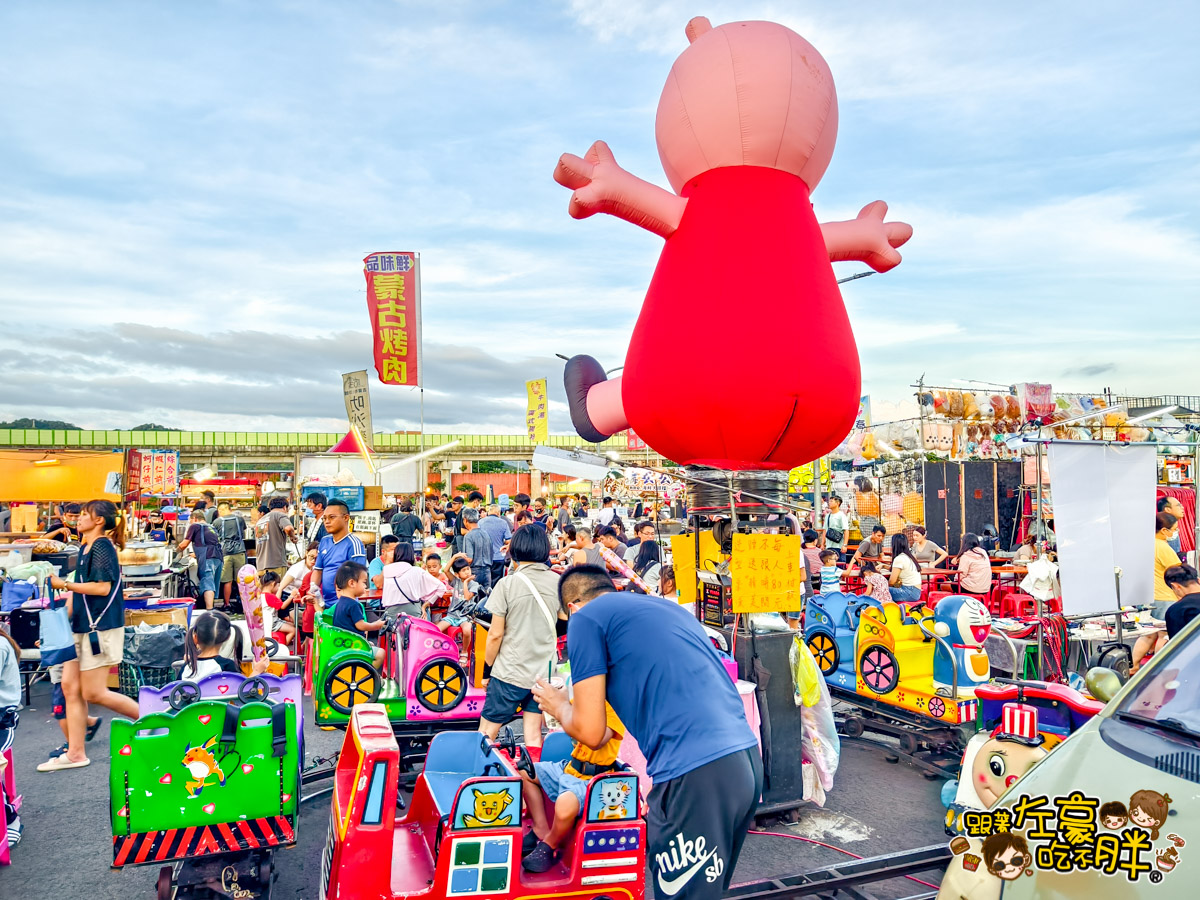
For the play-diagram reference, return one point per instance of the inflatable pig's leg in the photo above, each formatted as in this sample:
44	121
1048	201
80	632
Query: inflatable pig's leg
595	402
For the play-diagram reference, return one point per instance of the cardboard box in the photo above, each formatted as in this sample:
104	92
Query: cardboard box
170	615
373	496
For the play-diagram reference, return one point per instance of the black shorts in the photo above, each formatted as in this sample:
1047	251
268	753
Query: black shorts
504	700
696	824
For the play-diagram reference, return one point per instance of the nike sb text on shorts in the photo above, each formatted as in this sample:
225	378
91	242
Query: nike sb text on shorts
696	824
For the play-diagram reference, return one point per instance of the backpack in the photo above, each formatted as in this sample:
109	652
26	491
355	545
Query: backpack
234	544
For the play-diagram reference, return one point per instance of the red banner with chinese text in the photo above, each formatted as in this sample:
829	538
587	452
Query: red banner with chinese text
394	302
633	442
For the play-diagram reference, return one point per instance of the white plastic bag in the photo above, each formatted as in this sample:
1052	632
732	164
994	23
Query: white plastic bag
819	742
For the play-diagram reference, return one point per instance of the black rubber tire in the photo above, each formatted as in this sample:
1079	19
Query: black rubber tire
883	667
853	727
344	685
441	685
825	652
165	884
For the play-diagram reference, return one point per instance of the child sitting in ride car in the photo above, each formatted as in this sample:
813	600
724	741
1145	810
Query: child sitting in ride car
565	782
351	583
467	594
876	585
831	575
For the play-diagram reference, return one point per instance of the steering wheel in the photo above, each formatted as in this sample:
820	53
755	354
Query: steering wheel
272	646
925	631
185	693
254	690
506	740
524	763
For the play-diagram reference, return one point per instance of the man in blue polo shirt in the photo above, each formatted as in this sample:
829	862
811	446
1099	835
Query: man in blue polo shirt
651	660
338	546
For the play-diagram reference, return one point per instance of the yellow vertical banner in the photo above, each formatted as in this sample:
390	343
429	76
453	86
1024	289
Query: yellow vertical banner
536	421
767	575
683	554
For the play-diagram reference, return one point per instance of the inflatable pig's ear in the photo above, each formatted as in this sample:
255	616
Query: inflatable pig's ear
697	27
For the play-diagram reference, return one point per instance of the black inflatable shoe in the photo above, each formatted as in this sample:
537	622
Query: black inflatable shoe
580	374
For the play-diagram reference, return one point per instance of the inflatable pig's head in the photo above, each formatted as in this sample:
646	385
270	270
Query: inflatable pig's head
746	94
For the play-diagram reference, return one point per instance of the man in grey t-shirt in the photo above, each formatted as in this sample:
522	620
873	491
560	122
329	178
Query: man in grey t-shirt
477	545
274	530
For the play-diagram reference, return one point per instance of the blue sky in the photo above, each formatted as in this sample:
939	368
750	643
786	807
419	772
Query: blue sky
188	191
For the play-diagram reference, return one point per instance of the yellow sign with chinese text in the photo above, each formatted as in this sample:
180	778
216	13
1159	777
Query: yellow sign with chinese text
537	422
767	574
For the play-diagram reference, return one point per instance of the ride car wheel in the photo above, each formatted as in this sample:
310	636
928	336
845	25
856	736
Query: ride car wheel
879	669
825	651
351	683
441	685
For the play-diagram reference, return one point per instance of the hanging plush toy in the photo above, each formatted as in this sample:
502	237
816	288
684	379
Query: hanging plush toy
929	435
956	405
1012	408
746	126
939	403
970	406
869	451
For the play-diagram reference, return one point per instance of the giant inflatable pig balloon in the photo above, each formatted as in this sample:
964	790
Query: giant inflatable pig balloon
746	126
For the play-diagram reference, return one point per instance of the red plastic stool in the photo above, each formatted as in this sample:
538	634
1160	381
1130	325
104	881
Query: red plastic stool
934	596
1015	605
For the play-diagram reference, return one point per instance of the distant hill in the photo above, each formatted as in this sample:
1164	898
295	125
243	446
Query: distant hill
151	426
40	423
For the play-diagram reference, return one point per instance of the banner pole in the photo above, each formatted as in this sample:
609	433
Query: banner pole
423	472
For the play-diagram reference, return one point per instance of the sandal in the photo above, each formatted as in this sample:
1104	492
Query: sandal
58	751
92	729
61	762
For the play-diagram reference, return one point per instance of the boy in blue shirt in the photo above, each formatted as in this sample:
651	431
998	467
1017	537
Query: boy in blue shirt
351	583
831	575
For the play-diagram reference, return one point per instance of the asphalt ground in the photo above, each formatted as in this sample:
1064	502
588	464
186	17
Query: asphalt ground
875	807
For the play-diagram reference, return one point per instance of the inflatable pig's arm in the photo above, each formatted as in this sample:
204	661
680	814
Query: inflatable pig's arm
867	238
600	185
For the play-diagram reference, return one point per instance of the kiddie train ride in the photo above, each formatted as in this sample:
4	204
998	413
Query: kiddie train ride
912	671
206	783
424	688
461	834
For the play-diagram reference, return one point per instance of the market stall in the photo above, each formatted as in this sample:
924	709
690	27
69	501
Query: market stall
36	480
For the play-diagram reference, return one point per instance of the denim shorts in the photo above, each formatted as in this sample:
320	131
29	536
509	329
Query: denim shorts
209	574
553	778
900	592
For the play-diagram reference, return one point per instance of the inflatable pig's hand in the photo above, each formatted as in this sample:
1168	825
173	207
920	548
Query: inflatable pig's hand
593	179
599	184
867	238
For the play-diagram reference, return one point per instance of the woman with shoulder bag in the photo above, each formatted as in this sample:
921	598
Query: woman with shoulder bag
522	640
97	607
